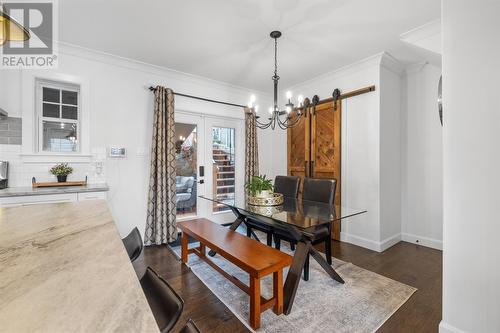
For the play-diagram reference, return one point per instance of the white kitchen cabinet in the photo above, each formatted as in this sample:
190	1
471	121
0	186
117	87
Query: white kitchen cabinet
50	198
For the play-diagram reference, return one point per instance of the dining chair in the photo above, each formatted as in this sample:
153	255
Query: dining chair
164	302
318	190
286	185
133	244
190	327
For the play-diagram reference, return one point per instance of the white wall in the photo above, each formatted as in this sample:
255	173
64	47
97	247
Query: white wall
422	186
471	165
119	108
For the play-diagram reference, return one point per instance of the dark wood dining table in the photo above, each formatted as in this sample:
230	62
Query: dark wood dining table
301	220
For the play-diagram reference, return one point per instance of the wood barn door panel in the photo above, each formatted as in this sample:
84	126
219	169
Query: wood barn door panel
299	148
326	149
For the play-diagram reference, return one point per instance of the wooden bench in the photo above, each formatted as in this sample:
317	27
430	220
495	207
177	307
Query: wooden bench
255	258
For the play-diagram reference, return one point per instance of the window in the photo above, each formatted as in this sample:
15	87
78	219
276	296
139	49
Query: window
224	167
58	117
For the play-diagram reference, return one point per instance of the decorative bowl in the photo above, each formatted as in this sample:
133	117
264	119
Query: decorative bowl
275	199
265	210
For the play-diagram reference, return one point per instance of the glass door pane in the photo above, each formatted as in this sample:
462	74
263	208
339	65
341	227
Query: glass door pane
186	152
223	166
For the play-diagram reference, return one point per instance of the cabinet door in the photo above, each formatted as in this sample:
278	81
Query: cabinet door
325	148
299	148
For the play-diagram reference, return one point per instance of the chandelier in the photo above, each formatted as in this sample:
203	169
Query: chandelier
290	115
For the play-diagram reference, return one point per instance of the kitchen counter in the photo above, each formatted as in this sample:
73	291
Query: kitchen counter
27	191
64	269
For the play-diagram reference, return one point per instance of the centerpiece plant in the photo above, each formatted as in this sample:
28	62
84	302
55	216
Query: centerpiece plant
61	171
260	186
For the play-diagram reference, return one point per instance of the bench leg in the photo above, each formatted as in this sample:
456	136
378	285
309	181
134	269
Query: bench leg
184	248
278	291
203	250
254	302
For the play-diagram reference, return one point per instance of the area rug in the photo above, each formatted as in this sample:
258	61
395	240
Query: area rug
362	304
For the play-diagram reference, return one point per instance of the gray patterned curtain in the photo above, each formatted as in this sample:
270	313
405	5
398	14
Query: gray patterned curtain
160	221
251	147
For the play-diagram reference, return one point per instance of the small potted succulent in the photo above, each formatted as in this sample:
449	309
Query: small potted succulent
260	187
61	171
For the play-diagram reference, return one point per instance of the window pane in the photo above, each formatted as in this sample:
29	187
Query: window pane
223	168
50	110
51	95
69	112
59	137
186	169
70	97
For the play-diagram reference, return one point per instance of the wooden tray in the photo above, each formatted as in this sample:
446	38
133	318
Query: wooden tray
57	184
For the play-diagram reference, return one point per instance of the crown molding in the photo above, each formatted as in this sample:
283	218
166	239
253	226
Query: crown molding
415	67
390	63
425	31
355	67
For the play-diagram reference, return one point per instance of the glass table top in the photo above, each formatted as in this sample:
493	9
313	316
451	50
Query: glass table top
300	213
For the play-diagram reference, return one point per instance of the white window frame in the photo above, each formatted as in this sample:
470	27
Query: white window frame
40	84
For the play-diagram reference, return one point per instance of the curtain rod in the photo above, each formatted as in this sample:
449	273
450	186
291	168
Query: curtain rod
202	98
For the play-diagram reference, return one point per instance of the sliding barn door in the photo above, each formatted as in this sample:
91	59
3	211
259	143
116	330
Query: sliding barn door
299	148
325	148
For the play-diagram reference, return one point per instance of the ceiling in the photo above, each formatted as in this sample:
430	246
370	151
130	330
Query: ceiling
229	40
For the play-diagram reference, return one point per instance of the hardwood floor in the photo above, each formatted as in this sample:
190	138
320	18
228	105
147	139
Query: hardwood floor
414	265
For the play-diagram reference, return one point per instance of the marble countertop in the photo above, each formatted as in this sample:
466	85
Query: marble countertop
64	269
24	191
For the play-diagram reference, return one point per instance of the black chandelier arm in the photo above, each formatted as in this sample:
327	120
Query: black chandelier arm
289	121
262	125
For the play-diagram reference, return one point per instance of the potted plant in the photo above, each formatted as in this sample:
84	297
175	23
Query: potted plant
61	171
260	187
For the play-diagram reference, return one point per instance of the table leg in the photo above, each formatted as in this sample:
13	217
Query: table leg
324	264
278	291
254	302
294	273
184	248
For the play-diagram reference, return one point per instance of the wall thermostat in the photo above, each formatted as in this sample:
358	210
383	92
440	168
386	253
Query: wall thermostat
117	152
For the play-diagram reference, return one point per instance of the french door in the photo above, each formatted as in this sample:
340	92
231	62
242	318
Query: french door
209	161
225	168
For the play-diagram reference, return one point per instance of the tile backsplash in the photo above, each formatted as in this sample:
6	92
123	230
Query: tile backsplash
10	131
22	168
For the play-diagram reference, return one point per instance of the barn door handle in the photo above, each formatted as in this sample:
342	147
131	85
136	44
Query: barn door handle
312	169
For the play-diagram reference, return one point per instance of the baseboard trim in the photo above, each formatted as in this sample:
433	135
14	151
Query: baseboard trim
360	241
424	241
370	244
447	328
389	242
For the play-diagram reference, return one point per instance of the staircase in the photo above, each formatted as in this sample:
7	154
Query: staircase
224	177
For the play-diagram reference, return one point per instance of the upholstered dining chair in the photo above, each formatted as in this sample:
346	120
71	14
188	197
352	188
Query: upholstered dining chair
133	244
286	185
318	190
164	302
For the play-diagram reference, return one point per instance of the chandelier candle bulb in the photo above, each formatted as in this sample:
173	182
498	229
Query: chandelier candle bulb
256	108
